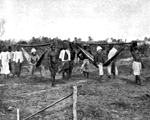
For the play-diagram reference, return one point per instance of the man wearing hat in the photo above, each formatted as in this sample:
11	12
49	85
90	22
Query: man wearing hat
34	59
53	62
99	60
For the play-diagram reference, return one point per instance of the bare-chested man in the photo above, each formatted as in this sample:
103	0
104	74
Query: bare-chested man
137	64
53	57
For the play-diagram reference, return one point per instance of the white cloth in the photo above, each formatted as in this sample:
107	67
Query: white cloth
98	48
33	50
136	66
18	55
100	67
26	55
112	52
5	57
62	55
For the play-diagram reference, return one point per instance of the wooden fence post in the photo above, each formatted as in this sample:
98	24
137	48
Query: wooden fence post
18	117
74	102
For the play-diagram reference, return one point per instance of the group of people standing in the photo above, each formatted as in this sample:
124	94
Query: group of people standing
63	60
99	60
112	69
10	61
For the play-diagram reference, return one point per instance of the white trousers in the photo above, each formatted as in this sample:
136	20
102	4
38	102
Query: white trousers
136	66
109	70
100	67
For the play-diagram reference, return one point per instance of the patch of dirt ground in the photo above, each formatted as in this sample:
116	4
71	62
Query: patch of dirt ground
111	99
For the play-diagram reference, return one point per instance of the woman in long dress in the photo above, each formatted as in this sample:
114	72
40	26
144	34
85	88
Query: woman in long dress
4	60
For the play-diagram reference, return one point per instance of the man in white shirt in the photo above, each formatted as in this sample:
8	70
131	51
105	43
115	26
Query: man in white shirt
18	59
112	68
65	58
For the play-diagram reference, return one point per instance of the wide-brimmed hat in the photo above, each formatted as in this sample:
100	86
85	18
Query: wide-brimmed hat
33	50
99	48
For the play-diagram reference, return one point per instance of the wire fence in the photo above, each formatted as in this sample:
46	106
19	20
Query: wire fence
74	94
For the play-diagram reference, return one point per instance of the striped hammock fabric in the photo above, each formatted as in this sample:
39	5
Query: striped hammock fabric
107	63
26	55
39	62
91	58
65	67
88	55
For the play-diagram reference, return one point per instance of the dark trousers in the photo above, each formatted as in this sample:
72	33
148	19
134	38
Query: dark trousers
18	67
138	80
68	70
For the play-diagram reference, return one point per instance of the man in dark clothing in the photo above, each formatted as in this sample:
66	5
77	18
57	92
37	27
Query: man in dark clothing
73	53
99	60
11	53
53	62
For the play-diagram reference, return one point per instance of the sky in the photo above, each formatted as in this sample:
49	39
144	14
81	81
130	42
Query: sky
100	19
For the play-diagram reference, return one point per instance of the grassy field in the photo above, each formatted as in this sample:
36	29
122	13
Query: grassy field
112	99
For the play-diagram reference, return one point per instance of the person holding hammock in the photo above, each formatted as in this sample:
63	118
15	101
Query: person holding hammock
85	66
112	68
99	60
33	60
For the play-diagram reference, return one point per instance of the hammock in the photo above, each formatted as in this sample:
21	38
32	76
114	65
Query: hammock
40	59
28	58
88	55
65	66
107	63
26	55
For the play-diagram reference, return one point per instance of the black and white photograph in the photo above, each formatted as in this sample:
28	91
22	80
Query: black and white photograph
74	59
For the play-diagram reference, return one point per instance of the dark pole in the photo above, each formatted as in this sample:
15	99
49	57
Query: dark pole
48	106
